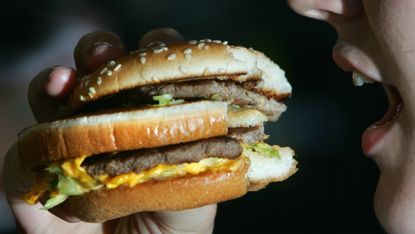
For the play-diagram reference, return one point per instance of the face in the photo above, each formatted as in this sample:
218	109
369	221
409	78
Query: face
377	42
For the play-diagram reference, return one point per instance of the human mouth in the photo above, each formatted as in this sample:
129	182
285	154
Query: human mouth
373	135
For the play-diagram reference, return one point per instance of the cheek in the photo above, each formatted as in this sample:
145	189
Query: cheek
392	22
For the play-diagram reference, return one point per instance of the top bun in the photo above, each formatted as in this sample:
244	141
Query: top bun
204	59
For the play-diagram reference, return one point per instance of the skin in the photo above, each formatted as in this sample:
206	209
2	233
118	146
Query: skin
47	91
377	39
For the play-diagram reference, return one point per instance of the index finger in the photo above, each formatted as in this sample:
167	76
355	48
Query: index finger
160	35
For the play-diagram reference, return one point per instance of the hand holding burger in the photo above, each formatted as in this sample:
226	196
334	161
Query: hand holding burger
47	93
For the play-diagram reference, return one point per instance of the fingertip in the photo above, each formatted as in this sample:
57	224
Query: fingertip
60	82
95	49
162	35
48	90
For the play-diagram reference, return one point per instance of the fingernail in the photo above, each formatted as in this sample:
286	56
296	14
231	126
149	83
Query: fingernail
164	35
155	43
57	80
98	48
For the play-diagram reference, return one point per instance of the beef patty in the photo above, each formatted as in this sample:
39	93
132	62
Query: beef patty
139	160
248	135
192	90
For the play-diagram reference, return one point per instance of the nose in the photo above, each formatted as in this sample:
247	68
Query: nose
327	9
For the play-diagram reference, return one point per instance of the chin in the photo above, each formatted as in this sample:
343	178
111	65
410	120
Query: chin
394	200
394	209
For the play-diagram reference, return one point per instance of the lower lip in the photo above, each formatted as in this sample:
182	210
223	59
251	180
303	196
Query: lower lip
377	131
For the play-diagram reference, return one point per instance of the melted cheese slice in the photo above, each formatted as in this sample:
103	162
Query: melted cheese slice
73	168
170	171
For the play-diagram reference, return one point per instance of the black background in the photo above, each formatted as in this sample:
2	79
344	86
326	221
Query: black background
333	191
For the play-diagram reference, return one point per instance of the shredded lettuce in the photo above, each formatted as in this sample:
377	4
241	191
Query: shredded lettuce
216	97
233	107
166	99
54	201
264	149
64	186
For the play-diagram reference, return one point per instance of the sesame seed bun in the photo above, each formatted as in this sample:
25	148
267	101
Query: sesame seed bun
191	60
108	129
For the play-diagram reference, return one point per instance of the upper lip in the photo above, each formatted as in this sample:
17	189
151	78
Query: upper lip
346	65
341	59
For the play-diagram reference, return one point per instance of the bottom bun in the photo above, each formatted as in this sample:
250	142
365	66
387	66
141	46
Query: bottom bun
173	194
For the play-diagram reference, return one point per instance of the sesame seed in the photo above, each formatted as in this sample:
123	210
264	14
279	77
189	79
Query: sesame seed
82	98
157	50
161	45
86	83
151	44
206	47
133	52
103	70
143	54
217	41
164	48
117	67
225	42
188	56
111	63
90	95
171	56
92	90
187	51
142	60
200	45
109	73
206	40
193	42
99	80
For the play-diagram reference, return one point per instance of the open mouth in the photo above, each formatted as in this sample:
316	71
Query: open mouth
378	130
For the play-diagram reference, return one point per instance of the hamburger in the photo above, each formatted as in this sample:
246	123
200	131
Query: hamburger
168	127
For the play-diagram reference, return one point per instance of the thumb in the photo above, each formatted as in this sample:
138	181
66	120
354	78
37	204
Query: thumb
16	179
197	220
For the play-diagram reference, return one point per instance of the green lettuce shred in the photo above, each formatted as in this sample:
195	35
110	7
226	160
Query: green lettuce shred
54	201
216	97
65	186
264	149
233	107
166	99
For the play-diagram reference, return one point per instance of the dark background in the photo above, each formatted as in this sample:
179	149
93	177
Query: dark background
333	190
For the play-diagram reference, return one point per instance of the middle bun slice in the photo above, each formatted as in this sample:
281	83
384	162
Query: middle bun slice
122	130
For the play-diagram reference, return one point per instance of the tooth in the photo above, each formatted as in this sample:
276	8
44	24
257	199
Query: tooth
359	79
